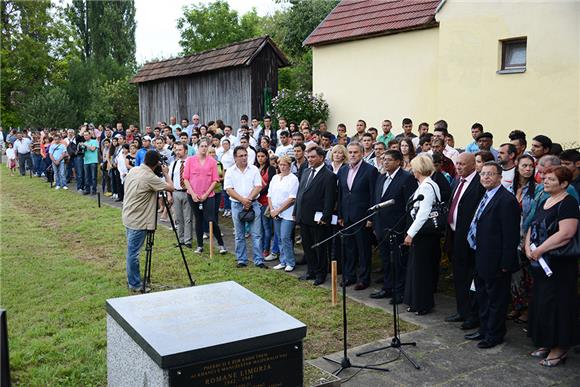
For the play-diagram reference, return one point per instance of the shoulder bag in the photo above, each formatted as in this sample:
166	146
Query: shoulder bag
435	223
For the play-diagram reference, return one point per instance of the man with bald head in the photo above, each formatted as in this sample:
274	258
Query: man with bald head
466	195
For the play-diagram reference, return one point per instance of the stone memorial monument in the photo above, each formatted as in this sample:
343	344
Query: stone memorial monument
212	335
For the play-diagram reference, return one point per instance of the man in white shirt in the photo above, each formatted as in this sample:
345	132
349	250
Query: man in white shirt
285	144
507	160
448	151
22	150
243	184
228	135
181	204
245	143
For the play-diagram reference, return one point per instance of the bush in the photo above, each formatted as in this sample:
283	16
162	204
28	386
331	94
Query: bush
300	105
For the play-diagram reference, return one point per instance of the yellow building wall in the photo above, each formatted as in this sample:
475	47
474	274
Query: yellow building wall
543	100
450	72
388	77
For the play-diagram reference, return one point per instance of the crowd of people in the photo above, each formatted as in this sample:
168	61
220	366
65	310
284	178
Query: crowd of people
506	216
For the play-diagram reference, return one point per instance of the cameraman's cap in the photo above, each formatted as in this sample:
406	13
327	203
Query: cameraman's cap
146	138
484	135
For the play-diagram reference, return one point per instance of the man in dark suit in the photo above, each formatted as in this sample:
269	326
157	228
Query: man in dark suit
316	193
465	197
494	234
399	185
356	186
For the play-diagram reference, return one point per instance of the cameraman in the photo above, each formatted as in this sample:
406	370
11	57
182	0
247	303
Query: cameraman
139	208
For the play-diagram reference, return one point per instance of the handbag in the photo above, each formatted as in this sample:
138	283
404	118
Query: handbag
437	220
569	250
247	216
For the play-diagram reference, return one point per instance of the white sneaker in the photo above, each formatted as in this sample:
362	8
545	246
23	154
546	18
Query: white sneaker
271	257
199	250
65	187
289	268
279	266
57	187
205	236
222	250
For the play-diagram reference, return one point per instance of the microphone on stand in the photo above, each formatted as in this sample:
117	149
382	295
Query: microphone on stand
417	199
384	204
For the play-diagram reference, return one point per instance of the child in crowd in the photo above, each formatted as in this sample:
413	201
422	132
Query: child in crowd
11	155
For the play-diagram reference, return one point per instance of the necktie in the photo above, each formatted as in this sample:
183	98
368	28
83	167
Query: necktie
181	181
386	184
472	233
455	201
310	177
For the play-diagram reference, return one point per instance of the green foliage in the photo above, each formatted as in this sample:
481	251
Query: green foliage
49	107
114	101
289	28
300	105
204	27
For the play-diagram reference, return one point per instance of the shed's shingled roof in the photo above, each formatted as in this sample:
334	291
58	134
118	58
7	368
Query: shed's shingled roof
357	19
233	55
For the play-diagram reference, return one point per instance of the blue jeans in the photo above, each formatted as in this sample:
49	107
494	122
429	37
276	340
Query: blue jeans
135	239
227	201
79	171
255	229
59	176
268	233
68	170
37	164
283	230
90	177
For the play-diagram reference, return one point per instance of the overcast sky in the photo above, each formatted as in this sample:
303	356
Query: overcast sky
157	35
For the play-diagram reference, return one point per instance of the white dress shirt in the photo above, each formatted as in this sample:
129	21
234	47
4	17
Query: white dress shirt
281	189
243	182
468	180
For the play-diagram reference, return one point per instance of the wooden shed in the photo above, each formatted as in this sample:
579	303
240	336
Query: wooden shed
220	83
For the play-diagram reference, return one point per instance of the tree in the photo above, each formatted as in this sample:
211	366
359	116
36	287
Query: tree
114	101
49	107
106	29
204	27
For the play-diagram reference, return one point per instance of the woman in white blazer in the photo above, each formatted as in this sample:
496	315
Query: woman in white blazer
419	286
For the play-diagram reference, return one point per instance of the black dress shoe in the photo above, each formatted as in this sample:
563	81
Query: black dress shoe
396	300
306	277
241	265
347	283
454	318
261	266
467	325
474	336
319	281
423	312
360	286
381	294
484	344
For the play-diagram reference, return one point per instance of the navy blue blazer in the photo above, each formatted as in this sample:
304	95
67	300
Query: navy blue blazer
354	203
401	189
498	236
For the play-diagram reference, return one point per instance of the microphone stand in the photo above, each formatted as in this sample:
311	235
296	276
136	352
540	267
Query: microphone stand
396	343
345	362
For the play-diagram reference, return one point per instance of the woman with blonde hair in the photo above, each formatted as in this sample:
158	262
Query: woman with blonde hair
419	286
338	158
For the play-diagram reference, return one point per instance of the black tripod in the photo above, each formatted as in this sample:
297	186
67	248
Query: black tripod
396	343
345	363
151	240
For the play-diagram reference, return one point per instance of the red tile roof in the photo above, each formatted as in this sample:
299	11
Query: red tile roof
358	19
233	55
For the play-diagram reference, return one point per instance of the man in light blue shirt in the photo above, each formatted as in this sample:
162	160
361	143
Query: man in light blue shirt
476	130
57	153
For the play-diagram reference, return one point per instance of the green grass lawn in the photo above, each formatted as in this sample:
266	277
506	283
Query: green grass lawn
62	257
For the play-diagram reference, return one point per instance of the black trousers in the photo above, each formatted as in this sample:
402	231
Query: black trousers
394	274
23	160
316	258
207	214
493	296
463	274
358	247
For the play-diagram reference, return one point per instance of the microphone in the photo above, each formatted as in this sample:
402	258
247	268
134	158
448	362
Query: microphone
417	199
384	204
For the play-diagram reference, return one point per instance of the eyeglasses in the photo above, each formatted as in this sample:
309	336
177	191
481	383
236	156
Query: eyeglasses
484	174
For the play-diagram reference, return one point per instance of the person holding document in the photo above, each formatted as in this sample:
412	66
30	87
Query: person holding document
553	315
316	193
